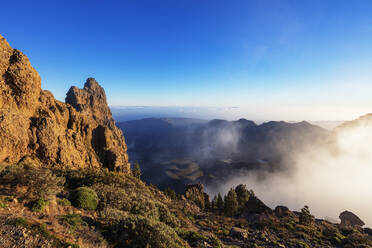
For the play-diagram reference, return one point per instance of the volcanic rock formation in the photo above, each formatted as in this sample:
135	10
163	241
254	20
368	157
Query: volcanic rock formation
349	218
37	128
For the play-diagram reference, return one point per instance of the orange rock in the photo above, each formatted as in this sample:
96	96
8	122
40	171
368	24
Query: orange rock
35	127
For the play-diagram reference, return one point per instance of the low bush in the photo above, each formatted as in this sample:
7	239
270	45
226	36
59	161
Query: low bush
112	215
128	200
85	198
198	240
19	222
4	200
63	202
40	182
39	205
138	231
74	221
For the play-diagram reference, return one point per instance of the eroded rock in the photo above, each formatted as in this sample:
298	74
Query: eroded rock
238	233
195	193
37	128
350	219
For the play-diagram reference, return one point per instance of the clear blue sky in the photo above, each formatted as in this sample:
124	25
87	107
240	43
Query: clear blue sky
273	59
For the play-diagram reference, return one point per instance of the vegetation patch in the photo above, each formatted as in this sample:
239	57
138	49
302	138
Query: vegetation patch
63	202
40	182
74	221
39	205
138	231
4	200
85	198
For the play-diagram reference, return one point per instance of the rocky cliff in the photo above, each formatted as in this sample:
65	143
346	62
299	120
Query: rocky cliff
36	127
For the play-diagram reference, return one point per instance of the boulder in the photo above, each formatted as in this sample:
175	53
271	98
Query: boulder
350	219
282	211
255	206
238	233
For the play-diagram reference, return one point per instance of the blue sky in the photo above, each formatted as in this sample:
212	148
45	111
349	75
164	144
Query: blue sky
272	59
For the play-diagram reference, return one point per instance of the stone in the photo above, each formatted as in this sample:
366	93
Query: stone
350	219
255	206
36	128
238	233
195	193
282	211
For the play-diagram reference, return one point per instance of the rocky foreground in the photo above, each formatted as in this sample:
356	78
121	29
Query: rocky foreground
65	181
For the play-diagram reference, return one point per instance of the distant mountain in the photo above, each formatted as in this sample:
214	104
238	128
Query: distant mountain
327	124
365	120
217	148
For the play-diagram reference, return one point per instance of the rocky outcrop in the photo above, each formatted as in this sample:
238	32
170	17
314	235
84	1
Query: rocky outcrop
37	128
282	211
350	219
255	206
238	233
195	193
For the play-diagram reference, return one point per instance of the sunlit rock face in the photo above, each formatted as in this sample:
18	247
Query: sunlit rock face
36	128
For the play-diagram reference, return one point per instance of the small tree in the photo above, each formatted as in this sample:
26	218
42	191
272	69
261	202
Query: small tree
220	202
305	217
136	170
170	193
207	201
231	203
214	202
243	194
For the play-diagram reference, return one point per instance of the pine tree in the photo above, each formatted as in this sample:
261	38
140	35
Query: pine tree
170	193
207	202
242	194
136	170
219	201
214	202
231	203
305	217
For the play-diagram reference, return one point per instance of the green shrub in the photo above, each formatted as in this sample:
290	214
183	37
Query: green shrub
39	205
19	222
170	193
128	200
166	216
64	202
197	240
191	236
4	200
85	198
40	182
74	221
112	215
138	231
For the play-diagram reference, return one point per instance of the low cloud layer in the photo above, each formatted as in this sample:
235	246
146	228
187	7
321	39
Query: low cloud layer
329	179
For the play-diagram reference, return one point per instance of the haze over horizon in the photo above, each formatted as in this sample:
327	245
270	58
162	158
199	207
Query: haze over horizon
286	60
